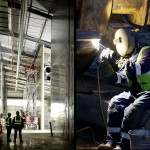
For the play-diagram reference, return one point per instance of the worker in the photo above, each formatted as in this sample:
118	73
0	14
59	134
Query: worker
2	120
126	109
8	126
22	113
18	125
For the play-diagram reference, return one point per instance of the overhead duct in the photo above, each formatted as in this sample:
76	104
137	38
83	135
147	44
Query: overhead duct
23	17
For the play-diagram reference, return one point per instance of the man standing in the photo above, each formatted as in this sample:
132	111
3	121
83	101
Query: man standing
8	126
18	125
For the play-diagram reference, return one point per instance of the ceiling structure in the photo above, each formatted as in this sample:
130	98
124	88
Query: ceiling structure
24	27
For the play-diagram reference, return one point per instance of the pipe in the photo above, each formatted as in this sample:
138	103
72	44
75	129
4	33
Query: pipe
23	16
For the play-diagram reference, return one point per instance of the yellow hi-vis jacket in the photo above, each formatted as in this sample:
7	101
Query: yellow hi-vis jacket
8	122
17	122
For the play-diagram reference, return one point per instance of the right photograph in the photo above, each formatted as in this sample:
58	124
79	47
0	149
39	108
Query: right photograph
112	67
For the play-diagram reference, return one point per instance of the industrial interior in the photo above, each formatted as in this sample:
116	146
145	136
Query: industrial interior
37	69
96	24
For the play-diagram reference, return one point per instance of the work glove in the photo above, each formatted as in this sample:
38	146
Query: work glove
106	69
107	55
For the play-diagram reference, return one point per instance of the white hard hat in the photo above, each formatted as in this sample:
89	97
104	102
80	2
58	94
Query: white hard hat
124	41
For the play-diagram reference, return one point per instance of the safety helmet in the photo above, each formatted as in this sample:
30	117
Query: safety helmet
124	41
9	114
17	112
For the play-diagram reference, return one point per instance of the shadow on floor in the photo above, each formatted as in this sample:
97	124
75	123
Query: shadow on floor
36	141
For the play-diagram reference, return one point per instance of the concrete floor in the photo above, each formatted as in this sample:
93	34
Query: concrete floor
36	141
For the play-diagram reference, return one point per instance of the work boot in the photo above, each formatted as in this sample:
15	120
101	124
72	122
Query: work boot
107	146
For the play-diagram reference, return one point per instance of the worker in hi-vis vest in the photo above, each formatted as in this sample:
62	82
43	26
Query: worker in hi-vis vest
126	109
17	126
8	122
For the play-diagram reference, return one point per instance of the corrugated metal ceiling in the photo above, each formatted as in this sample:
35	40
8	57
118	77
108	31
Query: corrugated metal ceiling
37	31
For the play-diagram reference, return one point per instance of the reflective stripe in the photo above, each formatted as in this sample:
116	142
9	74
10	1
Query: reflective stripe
130	83
119	78
113	129
138	68
126	74
124	135
17	121
142	79
7	121
141	54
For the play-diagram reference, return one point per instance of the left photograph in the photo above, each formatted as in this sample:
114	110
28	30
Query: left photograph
36	74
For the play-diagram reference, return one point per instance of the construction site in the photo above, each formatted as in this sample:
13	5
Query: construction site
36	72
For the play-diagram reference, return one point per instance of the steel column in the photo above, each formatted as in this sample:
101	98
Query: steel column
42	90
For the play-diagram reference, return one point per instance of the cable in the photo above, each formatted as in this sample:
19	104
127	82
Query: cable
100	100
102	46
102	111
95	142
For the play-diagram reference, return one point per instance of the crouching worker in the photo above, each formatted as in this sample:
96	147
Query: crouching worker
8	126
18	125
126	109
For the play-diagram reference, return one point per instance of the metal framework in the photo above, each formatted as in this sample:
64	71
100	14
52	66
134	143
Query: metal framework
13	4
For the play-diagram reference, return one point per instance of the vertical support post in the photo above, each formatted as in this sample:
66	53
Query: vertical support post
42	89
51	130
1	100
71	93
70	75
5	100
35	105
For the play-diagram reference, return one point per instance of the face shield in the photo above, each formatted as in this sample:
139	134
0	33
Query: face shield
124	41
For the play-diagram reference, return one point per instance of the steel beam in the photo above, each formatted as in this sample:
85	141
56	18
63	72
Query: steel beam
13	78
6	59
30	38
13	75
13	81
47	44
13	4
13	85
8	50
19	89
9	68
